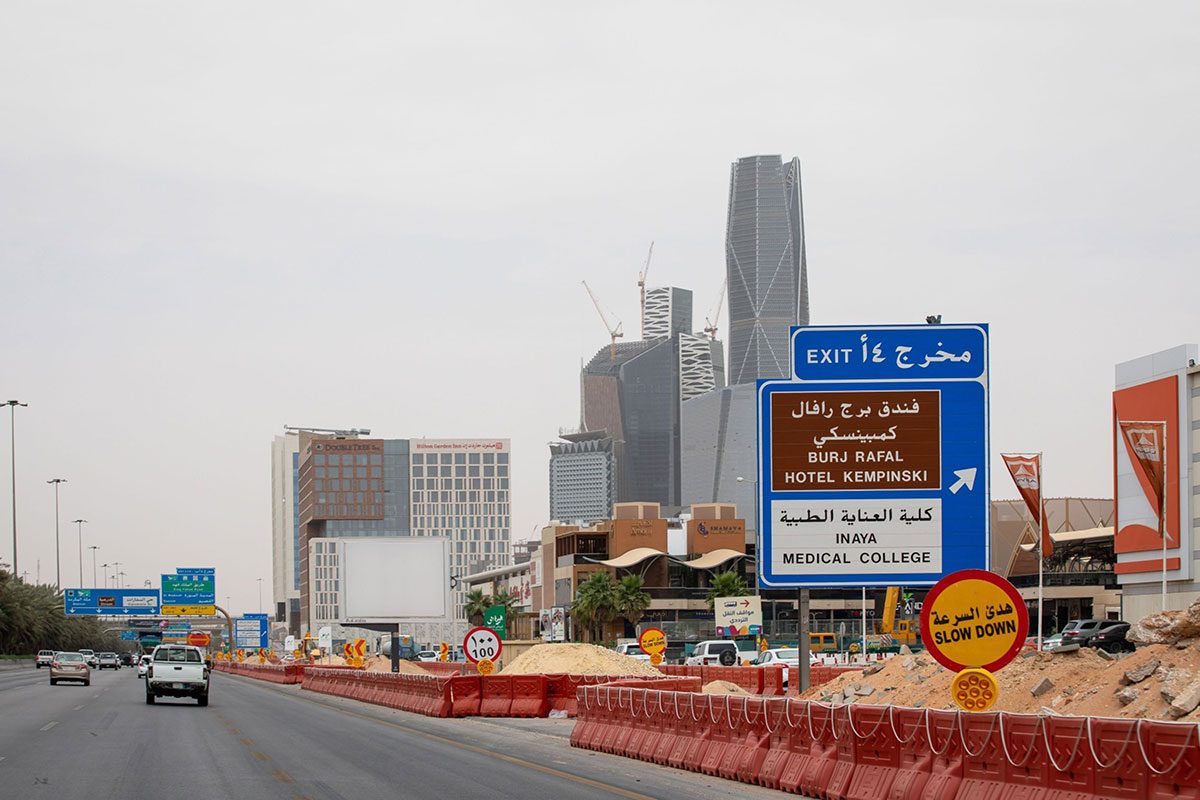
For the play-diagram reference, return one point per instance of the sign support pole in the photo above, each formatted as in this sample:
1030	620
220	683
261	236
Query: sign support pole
1041	553
1162	513
802	631
864	623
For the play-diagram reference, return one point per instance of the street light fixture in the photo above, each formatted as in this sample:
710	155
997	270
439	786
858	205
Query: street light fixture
12	425
80	522
57	554
116	583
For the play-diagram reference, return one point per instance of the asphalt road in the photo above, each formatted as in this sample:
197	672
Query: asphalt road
262	741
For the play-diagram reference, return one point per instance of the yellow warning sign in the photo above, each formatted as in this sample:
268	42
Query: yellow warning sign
656	659
485	666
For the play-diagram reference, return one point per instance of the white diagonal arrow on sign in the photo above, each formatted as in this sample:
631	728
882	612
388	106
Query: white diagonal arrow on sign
966	477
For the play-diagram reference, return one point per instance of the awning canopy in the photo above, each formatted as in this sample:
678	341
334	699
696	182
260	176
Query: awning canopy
1087	533
712	560
632	557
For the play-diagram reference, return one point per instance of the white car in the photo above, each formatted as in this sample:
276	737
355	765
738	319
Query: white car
633	650
427	655
143	666
90	657
44	657
718	652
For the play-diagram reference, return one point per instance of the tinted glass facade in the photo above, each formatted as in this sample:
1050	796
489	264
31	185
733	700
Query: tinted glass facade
765	265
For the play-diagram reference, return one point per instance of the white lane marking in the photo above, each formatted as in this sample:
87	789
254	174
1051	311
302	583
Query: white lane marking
49	725
95	695
76	708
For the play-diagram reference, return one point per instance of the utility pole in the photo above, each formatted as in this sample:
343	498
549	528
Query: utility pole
94	548
79	523
57	554
260	580
12	426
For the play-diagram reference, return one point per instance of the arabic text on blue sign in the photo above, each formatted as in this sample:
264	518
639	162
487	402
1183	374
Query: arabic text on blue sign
99	602
907	353
195	571
874	458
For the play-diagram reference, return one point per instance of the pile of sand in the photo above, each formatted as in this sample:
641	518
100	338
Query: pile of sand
1081	683
384	664
578	659
723	687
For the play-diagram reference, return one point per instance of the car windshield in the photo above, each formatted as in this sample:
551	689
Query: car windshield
70	656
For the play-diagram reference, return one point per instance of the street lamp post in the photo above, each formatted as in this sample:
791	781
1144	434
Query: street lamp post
116	565
12	426
94	548
104	567
57	554
260	580
79	523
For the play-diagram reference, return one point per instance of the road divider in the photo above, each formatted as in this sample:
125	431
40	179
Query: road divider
866	752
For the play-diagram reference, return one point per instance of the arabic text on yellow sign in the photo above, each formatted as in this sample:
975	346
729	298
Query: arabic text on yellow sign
199	611
974	623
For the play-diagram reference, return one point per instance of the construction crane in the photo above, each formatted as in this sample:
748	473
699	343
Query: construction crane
710	326
614	333
642	287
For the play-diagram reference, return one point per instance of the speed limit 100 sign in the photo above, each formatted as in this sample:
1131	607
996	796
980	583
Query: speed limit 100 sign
482	643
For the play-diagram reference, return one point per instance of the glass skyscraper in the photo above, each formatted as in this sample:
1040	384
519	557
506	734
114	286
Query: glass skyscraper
764	260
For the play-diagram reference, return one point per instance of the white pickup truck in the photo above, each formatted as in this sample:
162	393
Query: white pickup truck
177	670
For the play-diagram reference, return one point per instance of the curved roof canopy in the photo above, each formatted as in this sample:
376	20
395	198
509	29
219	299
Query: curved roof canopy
633	557
714	559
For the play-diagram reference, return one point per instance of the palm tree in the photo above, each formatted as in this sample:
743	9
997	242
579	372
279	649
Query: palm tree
630	601
477	603
595	604
726	584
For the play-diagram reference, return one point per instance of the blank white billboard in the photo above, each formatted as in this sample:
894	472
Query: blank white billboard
394	579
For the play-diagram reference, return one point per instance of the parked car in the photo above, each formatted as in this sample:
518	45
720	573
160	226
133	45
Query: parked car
177	670
143	666
1052	641
44	657
1112	638
90	657
108	661
70	667
1080	631
633	650
721	652
427	655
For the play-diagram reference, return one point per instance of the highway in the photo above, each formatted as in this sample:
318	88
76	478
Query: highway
263	741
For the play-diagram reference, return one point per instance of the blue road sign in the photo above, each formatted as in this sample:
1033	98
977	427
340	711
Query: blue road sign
874	457
129	636
189	588
104	602
195	571
250	631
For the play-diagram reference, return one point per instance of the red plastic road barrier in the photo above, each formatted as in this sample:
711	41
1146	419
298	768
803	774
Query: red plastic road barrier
466	692
529	696
861	752
497	696
443	669
772	680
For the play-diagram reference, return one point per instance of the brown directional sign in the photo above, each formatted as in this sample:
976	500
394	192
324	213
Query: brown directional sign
850	440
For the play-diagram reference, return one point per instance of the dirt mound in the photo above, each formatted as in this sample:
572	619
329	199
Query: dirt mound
1167	627
723	687
578	659
1079	683
383	664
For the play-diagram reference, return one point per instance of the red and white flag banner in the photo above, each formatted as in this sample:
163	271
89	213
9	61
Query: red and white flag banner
1026	472
1147	442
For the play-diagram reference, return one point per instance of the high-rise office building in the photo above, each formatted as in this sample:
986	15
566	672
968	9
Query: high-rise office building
583	476
668	312
765	265
285	528
349	486
768	294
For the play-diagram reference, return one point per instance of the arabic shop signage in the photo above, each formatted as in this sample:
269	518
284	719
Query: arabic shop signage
873	457
738	616
974	619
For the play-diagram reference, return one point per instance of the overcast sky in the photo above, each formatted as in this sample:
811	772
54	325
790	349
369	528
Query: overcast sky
218	218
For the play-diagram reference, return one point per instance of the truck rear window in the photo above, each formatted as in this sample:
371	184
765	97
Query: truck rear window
178	656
